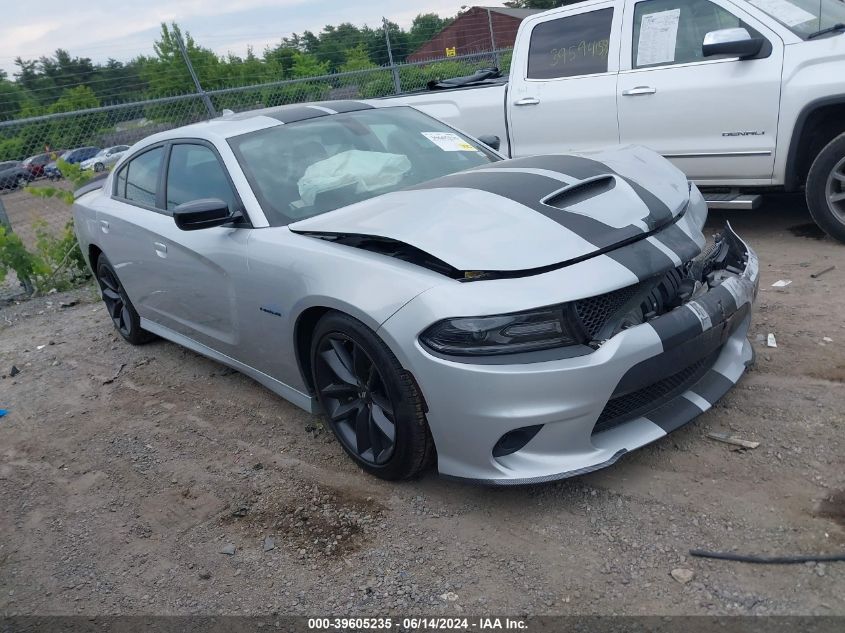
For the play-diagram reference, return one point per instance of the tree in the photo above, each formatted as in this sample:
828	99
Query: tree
424	27
357	59
11	98
305	65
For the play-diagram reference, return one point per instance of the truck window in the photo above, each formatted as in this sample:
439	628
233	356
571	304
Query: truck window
570	46
672	31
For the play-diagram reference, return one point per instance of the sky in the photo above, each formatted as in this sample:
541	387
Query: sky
123	29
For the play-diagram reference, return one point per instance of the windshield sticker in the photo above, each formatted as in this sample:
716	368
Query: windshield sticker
658	36
784	11
449	142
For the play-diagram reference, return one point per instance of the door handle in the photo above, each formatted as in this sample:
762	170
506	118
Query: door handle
161	249
639	90
104	226
526	101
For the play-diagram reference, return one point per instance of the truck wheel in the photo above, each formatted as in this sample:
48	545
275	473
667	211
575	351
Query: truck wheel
826	188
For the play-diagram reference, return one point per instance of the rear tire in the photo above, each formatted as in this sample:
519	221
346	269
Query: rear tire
98	167
825	190
369	401
123	314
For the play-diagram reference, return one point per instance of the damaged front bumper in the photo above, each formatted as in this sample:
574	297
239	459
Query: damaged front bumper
637	386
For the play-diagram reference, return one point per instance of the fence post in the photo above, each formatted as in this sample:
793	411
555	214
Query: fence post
397	84
205	98
26	282
497	56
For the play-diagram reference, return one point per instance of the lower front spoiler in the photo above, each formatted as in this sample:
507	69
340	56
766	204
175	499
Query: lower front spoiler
735	356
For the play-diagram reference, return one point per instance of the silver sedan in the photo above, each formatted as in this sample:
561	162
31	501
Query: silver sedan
512	321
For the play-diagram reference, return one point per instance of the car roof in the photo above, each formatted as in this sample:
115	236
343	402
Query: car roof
234	124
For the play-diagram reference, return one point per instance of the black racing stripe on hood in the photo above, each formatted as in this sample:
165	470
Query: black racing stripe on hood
642	258
529	189
581	168
674	238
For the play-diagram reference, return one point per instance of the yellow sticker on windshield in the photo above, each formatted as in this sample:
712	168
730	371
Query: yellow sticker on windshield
449	142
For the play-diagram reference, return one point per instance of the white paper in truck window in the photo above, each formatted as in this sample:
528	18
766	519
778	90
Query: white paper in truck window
658	37
449	142
784	11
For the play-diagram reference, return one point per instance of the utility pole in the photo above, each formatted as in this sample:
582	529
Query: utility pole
493	40
397	84
205	98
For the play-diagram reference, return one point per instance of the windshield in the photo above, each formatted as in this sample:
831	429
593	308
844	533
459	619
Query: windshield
804	17
303	169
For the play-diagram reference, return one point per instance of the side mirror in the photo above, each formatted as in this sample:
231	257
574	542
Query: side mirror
736	41
203	214
491	140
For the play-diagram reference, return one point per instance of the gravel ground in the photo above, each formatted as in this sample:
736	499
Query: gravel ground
149	480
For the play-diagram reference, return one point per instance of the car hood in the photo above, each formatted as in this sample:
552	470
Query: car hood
524	213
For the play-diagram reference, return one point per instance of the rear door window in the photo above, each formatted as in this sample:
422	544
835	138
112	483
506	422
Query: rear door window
570	46
139	178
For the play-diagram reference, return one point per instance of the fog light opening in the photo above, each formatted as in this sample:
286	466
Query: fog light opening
512	441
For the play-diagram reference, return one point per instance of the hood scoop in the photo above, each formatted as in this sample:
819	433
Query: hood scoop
580	192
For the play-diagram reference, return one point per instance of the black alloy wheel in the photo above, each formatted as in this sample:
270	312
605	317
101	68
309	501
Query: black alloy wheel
370	402
122	312
358	406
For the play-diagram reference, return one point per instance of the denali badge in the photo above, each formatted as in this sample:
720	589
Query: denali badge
750	133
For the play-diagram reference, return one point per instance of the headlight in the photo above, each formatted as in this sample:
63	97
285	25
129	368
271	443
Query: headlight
528	331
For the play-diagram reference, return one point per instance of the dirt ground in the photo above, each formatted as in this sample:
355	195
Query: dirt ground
124	471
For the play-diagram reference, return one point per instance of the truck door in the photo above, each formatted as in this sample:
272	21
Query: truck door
562	93
714	117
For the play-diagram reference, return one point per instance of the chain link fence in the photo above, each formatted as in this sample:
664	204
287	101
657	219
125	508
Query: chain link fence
45	137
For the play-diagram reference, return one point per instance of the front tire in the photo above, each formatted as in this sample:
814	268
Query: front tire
825	189
370	402
98	167
123	314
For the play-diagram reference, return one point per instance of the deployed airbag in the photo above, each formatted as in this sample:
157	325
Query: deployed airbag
368	171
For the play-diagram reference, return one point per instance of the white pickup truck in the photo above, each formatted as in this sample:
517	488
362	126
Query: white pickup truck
743	96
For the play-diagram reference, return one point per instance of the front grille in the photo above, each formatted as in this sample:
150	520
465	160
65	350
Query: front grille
594	312
626	407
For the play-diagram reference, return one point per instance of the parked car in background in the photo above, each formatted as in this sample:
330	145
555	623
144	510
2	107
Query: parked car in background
71	156
532	319
14	175
36	164
106	157
51	169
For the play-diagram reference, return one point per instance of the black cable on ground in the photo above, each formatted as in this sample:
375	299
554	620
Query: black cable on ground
768	560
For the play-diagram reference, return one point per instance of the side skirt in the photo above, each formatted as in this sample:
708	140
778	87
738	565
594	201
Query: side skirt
294	396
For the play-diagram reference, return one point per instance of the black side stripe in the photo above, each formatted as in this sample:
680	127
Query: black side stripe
673	415
528	189
581	168
712	386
